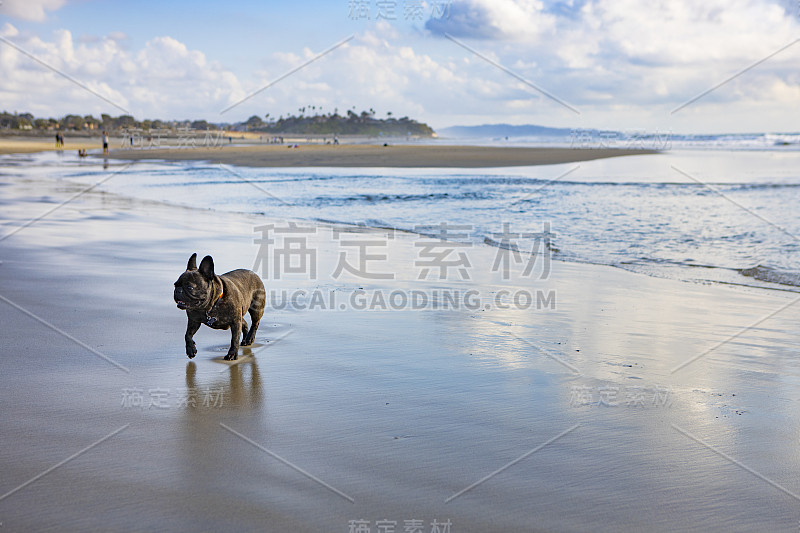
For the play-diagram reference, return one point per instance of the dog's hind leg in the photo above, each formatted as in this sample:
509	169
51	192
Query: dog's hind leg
256	312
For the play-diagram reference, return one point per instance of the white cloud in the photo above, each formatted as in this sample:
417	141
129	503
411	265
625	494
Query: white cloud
167	79
35	10
368	72
670	32
627	59
164	79
493	19
8	31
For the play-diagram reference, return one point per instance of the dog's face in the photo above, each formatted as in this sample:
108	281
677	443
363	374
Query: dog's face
193	289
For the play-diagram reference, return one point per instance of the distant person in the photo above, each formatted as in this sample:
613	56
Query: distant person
58	138
105	143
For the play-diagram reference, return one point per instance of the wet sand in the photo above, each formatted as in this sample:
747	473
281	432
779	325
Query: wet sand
571	418
373	155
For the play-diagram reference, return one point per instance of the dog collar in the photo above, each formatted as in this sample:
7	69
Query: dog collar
211	319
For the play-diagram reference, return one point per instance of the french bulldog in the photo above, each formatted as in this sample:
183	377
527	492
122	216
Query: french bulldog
220	302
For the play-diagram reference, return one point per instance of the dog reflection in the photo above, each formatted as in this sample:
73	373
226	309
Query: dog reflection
237	387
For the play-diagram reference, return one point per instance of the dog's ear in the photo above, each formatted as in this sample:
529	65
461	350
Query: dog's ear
192	264
207	267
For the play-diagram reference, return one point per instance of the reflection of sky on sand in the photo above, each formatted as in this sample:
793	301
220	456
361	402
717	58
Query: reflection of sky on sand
739	397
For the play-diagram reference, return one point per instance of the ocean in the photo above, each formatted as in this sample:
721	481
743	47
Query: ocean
723	210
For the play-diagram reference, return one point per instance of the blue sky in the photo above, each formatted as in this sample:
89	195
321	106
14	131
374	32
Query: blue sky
616	64
237	34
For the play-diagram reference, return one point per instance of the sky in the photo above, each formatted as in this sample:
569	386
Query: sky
622	65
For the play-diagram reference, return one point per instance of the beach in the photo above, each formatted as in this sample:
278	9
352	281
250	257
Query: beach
586	397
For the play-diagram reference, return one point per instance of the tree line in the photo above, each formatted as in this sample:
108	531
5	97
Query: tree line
350	123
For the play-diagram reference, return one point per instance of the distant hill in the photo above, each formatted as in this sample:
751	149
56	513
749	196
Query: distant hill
503	130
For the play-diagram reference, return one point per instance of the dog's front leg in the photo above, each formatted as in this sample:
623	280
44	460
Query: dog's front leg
236	333
191	329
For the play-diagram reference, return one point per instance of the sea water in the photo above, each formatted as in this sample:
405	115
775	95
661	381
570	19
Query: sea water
727	216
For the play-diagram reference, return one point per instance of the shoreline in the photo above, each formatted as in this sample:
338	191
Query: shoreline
745	283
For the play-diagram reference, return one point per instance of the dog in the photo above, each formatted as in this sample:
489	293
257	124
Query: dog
220	302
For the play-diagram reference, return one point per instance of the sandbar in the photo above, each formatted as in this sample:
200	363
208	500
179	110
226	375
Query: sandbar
376	155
